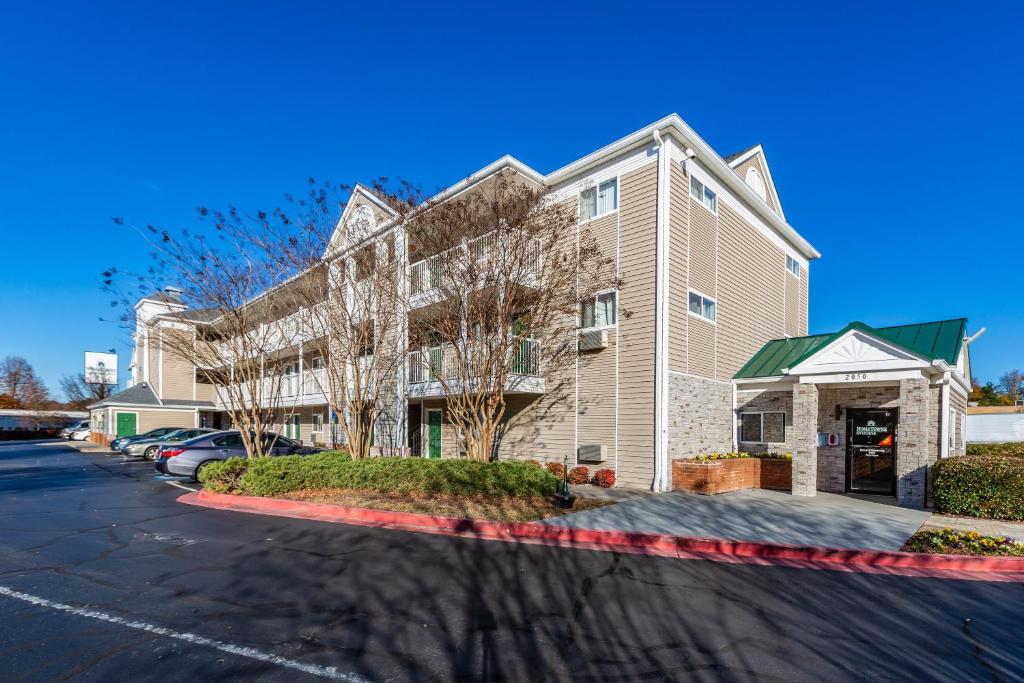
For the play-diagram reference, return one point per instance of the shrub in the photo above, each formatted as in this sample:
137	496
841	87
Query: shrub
744	454
556	468
987	486
223	476
1015	449
274	476
579	476
604	478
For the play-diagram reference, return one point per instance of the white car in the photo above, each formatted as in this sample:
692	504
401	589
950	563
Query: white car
75	427
80	433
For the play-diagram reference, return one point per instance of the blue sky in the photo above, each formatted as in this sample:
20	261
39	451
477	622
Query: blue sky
894	132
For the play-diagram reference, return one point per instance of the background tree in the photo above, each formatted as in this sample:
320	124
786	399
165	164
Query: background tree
1012	384
78	394
21	386
987	395
505	272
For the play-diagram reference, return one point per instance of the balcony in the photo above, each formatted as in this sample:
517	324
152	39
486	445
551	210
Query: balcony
428	367
425	276
307	388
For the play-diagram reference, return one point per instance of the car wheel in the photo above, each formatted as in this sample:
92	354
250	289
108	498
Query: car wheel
151	453
200	467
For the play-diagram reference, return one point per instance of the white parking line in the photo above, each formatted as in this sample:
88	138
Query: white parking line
251	653
182	486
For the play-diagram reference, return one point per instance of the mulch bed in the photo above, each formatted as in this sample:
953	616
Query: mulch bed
494	508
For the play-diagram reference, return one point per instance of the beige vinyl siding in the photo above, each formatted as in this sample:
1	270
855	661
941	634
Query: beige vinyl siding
703	241
151	419
679	228
792	302
177	376
751	278
596	408
206	392
638	224
804	303
701	346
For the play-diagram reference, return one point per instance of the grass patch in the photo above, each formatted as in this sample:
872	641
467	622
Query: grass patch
953	542
494	508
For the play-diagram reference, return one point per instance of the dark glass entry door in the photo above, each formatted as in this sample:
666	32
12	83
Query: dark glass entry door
871	450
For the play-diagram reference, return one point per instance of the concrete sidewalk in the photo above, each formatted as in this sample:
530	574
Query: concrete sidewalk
826	520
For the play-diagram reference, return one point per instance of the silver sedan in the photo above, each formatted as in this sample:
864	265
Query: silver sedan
149	447
188	458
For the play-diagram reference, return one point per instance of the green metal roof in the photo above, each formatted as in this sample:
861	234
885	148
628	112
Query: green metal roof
933	341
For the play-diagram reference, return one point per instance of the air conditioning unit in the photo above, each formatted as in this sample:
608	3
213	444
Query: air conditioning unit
592	453
593	340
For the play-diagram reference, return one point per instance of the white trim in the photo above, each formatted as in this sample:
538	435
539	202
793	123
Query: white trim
860	378
945	421
662	480
751	153
900	358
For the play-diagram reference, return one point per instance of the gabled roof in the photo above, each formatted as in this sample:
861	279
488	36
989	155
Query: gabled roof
729	158
939	340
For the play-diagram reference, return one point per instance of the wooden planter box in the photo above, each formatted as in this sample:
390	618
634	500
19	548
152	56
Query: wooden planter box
709	477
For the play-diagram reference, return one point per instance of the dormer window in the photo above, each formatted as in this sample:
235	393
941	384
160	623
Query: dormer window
756	182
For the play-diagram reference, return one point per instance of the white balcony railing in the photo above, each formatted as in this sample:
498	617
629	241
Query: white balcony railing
441	362
425	275
308	388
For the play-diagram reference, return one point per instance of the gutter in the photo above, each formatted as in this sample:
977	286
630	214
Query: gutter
661	474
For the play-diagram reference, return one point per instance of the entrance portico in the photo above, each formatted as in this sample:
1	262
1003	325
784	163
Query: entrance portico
865	410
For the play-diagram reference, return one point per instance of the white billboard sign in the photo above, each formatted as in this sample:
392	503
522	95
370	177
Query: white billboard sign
100	368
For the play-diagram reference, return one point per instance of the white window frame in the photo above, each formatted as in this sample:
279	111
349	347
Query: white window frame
701	316
596	187
762	413
702	197
793	266
597	297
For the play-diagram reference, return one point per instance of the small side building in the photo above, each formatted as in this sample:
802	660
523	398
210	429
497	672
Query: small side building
138	409
862	410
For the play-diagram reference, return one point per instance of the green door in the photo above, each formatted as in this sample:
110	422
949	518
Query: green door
293	427
434	434
125	424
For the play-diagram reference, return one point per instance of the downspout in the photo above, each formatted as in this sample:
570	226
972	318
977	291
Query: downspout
944	446
661	467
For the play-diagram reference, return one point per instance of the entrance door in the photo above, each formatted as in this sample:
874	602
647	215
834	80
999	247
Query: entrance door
871	450
434	433
126	424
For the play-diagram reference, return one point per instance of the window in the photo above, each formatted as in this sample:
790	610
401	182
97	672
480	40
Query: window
601	312
768	428
229	441
793	266
702	306
952	430
756	182
702	194
599	200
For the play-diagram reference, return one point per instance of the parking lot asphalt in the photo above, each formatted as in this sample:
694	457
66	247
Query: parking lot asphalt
104	576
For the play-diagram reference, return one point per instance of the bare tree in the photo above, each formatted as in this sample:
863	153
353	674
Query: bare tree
78	394
352	295
498	292
21	385
220	319
1012	383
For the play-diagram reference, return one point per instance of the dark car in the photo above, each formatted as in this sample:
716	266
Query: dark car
120	443
149	447
187	458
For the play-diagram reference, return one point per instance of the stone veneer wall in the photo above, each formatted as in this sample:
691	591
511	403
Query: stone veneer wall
699	416
767	401
918	441
832	461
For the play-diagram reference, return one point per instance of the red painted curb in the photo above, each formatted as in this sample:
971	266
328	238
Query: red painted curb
842	559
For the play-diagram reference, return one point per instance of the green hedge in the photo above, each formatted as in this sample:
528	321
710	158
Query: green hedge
274	476
990	486
1014	449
